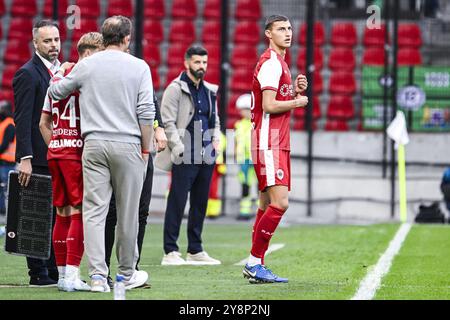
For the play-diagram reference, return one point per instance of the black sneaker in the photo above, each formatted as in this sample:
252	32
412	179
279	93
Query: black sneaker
42	282
110	282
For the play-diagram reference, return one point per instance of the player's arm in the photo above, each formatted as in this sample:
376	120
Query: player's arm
45	125
61	87
272	106
145	111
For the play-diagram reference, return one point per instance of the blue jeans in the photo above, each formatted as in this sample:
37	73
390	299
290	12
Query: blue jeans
4	170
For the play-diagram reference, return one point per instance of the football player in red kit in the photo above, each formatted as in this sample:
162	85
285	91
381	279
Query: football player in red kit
274	96
60	127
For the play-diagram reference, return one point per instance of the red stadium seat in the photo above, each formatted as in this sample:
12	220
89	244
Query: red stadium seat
175	55
344	34
2	7
244	56
8	75
342	83
341	107
73	57
213	54
242	80
317	112
152	55
86	25
89	8
319	34
318	82
173	73
248	10
342	59
318	58
20	29
48	8
300	125
120	7
212	9
374	37
336	125
409	57
155	78
62	30
374	56
184	9
211	31
248	32
409	35
213	74
23	8
8	95
153	31
182	31
17	52
154	9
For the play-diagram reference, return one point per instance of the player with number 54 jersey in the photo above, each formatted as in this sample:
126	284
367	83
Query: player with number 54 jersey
66	142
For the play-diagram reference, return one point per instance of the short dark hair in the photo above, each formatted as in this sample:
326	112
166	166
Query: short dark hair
195	49
115	29
44	23
274	18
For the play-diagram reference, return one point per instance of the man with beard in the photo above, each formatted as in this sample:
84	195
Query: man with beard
189	112
30	85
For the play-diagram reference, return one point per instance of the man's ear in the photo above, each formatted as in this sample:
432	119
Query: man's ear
186	64
268	34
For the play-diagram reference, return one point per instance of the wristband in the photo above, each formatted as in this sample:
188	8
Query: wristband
145	152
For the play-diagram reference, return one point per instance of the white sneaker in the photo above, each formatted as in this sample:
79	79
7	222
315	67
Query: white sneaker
138	279
173	259
76	285
99	284
61	284
201	258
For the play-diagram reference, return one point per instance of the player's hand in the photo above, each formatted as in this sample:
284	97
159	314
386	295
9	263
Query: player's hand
160	139
301	101
66	65
301	83
145	157
25	170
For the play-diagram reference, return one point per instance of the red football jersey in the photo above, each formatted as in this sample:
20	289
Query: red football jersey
271	131
66	141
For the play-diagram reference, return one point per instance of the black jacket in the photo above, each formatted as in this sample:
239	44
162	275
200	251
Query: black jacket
30	85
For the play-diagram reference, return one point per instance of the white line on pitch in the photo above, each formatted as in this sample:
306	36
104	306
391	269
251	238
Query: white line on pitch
372	281
272	248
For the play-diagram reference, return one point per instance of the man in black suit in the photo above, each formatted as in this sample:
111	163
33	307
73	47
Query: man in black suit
30	85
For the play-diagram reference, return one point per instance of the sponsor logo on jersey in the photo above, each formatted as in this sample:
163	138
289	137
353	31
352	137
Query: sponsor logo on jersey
287	90
66	143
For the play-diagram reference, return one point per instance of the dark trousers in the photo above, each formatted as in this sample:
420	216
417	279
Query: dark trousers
111	219
41	267
196	179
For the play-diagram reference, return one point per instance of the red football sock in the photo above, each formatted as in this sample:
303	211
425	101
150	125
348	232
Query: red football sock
259	215
265	229
60	230
75	238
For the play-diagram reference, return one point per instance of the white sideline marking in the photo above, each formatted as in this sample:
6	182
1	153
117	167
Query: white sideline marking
372	281
272	248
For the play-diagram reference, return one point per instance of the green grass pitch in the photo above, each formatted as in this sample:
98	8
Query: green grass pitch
321	262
